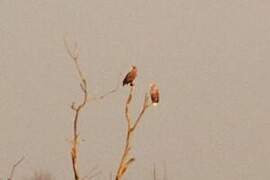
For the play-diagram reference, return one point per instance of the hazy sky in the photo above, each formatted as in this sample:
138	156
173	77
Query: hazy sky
210	59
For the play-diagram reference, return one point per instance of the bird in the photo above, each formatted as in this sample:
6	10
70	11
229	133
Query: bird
154	93
130	77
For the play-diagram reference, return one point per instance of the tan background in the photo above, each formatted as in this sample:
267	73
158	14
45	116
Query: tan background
210	59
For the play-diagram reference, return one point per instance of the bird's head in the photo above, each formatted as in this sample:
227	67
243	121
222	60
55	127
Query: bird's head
134	68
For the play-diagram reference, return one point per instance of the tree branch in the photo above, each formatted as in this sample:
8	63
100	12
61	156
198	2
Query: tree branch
14	168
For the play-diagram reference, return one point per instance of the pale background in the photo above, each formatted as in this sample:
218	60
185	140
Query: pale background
211	60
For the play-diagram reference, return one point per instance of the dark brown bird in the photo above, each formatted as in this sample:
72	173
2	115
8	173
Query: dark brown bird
154	92
131	76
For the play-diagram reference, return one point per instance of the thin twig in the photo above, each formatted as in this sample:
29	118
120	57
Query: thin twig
91	173
14	168
114	90
94	175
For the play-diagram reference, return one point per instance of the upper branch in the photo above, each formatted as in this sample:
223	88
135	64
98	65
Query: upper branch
128	118
83	84
146	104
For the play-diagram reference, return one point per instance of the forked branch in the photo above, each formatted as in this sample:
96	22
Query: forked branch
77	109
126	160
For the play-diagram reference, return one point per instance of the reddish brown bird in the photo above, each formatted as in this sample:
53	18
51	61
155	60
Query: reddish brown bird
130	77
154	92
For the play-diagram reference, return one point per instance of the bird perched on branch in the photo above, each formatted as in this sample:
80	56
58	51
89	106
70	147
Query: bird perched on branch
154	93
130	77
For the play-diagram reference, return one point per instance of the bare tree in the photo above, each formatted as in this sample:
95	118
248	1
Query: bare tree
74	55
126	159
